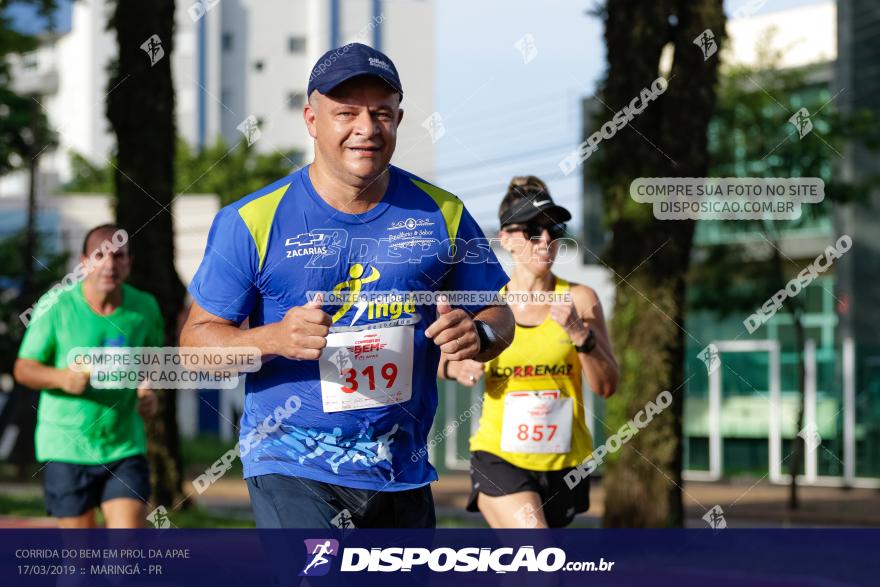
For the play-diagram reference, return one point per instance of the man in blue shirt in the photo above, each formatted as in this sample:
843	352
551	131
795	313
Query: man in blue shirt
360	371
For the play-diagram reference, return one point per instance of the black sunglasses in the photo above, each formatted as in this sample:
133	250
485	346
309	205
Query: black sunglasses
534	230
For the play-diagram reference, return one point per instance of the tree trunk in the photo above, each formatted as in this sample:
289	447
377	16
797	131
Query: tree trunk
24	401
797	451
796	310
30	232
651	257
140	107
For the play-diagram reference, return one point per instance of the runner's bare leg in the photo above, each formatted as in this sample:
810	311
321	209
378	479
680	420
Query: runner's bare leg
124	512
500	512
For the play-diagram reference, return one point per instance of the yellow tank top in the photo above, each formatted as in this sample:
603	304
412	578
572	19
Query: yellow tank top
541	357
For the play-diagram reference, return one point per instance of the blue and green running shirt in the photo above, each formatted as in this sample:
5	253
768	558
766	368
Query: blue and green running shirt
367	405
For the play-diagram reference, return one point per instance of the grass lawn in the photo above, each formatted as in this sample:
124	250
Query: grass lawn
32	507
22	506
200	452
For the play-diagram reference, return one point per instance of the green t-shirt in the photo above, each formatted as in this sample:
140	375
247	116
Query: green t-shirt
101	425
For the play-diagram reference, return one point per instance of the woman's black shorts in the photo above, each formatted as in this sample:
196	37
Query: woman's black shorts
495	477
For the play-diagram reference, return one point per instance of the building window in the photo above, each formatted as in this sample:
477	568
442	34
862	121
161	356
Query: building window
258	65
296	100
226	41
296	44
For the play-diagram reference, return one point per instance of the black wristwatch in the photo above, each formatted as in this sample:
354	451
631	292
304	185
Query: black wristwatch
588	345
486	335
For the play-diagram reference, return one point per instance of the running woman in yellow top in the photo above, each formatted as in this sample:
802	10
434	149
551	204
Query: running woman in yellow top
532	429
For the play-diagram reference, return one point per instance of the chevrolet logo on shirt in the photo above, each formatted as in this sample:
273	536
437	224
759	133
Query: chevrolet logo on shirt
303	240
306	243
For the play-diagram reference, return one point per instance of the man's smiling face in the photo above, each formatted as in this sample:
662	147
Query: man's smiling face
355	127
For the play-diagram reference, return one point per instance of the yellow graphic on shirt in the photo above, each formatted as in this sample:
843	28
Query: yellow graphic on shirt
355	272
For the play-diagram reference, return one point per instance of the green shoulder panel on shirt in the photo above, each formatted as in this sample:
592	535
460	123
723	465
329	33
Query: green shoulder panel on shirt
258	215
450	206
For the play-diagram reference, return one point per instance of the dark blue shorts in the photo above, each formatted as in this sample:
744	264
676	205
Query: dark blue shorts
280	501
72	490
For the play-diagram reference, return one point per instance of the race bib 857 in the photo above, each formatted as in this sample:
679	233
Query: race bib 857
536	422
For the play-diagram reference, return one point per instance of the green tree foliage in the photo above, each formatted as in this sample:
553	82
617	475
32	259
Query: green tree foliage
24	135
230	172
88	177
23	128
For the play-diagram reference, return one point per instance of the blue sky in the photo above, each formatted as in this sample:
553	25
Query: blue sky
504	117
25	18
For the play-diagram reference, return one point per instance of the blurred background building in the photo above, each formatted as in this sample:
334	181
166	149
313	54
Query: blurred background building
742	423
231	60
857	70
742	420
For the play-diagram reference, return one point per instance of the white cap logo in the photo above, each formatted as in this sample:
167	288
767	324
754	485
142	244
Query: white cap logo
380	64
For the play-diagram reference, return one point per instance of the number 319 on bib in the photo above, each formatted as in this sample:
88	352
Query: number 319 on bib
366	369
389	374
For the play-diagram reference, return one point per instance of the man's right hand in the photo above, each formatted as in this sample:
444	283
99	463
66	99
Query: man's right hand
302	334
74	382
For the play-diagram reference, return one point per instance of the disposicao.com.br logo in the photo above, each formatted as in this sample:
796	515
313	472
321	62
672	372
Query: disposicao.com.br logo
443	559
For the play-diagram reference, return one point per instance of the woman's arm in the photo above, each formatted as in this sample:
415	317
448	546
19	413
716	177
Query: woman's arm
583	315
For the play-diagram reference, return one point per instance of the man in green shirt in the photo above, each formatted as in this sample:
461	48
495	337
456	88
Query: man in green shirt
92	440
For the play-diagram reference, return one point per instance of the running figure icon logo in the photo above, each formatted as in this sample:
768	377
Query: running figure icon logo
318	552
357	274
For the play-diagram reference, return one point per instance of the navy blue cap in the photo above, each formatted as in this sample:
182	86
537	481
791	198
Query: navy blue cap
343	63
